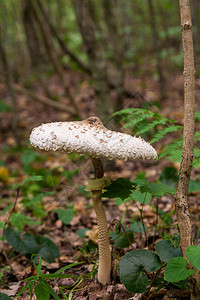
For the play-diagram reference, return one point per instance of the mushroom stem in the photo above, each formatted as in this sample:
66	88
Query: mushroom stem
103	239
98	167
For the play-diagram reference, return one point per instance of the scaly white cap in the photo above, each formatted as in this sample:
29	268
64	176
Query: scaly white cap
90	137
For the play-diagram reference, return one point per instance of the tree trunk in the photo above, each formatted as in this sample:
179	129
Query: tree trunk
63	45
31	34
156	48
51	52
181	197
96	57
117	46
11	93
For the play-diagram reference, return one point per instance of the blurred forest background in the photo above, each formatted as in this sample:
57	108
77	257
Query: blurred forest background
67	60
76	56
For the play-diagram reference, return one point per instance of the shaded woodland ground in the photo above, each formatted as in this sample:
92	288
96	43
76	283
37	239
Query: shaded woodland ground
60	89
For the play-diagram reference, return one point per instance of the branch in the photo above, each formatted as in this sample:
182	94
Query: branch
44	100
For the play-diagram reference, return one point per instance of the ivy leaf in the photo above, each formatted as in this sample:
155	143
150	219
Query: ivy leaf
132	267
193	254
176	270
166	250
157	189
120	188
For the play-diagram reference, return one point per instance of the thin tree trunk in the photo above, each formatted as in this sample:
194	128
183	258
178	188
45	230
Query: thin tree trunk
63	45
156	47
117	45
10	91
51	52
31	33
96	58
181	197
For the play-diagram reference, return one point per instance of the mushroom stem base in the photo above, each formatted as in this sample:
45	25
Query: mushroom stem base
103	240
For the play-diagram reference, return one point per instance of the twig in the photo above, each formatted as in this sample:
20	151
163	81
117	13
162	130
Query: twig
142	220
119	223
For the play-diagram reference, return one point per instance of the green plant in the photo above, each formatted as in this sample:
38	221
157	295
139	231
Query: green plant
155	126
30	244
40	284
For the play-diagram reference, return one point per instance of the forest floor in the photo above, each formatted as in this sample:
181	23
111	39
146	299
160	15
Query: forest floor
72	247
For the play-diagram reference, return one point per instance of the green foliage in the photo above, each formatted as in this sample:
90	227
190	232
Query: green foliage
30	244
169	176
65	215
193	254
166	250
4	297
122	238
138	227
138	190
4	107
155	127
143	121
41	282
176	270
120	188
133	266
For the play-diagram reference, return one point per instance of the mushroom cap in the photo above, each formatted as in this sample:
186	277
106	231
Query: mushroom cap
90	137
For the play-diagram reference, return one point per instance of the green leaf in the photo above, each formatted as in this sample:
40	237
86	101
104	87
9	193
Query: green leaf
81	232
157	189
132	267
30	244
33	178
48	249
65	215
166	250
28	156
120	239
176	270
68	267
15	239
138	227
193	254
120	188
4	297
18	220
4	107
169	176
194	186
143	198
42	291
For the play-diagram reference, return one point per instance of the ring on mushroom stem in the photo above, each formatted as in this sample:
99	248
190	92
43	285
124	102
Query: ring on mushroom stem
91	137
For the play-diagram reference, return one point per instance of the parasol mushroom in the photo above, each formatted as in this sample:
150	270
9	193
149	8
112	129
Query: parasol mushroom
91	137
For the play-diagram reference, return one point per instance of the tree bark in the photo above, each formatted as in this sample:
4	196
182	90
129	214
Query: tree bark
11	93
51	52
117	46
96	57
181	197
156	48
63	45
31	33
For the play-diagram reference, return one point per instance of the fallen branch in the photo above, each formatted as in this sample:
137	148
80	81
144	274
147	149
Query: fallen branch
43	99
